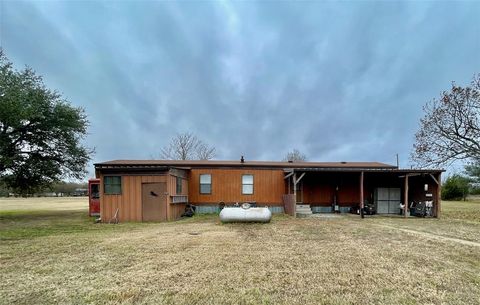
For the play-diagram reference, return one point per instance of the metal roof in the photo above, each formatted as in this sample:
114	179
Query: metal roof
376	170
260	164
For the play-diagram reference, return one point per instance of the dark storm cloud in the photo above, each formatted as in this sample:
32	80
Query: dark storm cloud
339	81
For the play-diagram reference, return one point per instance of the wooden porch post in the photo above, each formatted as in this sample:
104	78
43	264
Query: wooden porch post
294	194
405	198
362	204
438	206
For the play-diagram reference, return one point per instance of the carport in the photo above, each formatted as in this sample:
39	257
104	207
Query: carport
328	190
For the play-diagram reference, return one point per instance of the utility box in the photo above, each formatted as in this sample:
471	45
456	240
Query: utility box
94	197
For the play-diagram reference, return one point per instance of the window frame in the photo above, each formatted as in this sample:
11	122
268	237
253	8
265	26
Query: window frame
247	184
94	195
109	192
200	184
178	185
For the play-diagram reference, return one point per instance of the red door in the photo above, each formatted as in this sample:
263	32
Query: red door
94	197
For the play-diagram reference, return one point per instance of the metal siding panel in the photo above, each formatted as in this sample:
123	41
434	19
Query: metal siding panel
382	193
394	207
382	206
395	194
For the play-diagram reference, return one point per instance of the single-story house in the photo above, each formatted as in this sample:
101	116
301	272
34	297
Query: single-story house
158	190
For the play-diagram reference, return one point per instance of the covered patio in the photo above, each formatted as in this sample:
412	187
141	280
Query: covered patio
348	190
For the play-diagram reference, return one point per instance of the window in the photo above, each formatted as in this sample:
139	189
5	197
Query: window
205	184
94	191
247	184
179	185
112	185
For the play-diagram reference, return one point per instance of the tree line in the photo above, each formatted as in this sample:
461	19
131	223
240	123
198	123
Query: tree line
58	189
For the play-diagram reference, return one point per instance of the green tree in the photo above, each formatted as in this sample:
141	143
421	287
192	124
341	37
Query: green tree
455	187
66	188
4	191
40	132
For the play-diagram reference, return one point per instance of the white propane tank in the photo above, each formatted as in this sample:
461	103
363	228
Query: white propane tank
245	214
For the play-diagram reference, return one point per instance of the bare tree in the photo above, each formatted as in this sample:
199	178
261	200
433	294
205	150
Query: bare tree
295	156
186	146
450	129
205	152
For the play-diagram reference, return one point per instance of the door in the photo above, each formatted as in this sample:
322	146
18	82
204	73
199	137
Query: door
382	207
154	201
387	200
394	198
94	198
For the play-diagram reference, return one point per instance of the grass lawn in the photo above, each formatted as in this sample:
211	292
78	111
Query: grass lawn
51	255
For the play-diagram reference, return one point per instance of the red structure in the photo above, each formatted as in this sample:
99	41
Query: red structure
94	197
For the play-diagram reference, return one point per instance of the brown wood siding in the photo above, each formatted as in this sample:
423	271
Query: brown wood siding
438	206
130	201
268	186
154	201
318	194
319	189
175	210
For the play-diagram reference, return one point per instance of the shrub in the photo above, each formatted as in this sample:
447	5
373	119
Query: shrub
455	187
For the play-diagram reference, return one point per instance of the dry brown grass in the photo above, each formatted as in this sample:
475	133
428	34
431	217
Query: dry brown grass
342	260
43	203
459	219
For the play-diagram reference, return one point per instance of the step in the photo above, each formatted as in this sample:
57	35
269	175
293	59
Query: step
303	210
303	206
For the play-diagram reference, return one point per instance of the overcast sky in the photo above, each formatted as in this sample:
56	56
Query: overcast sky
340	81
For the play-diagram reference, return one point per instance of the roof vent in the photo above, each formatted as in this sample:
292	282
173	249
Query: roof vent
343	162
242	160
290	161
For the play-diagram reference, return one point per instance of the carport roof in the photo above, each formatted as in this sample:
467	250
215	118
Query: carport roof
305	166
365	169
262	164
287	166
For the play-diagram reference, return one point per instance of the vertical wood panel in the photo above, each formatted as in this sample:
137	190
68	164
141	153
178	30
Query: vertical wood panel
268	187
138	198
170	186
176	210
126	190
130	201
438	192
